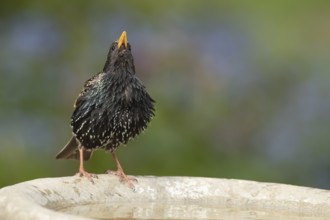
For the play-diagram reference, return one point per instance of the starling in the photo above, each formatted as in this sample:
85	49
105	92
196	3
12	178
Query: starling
112	108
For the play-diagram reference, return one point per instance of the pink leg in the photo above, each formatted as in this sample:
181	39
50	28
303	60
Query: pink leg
82	172
120	172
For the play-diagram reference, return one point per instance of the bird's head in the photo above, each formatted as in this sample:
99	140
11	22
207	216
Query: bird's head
119	53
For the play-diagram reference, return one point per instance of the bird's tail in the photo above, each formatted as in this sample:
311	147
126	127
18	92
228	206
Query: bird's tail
71	151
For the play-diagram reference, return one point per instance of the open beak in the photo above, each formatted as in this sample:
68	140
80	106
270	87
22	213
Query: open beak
122	40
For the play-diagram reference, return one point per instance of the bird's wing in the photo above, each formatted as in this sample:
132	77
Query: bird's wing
88	86
87	107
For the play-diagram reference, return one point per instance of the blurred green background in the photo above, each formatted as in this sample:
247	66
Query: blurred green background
242	87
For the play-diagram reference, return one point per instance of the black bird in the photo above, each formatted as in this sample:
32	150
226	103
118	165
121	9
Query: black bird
112	108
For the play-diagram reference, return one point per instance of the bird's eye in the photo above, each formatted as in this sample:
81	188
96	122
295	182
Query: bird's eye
113	47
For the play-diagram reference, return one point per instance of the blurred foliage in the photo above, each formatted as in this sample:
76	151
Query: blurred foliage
242	87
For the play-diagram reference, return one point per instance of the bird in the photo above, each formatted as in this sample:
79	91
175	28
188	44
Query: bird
112	108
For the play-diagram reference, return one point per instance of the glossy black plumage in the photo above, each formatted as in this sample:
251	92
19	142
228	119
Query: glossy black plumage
113	106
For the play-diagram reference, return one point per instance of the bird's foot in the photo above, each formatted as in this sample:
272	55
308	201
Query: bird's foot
89	176
123	177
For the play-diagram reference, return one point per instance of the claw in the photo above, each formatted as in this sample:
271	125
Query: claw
123	177
89	176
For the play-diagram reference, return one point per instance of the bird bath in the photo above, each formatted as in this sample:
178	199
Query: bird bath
161	198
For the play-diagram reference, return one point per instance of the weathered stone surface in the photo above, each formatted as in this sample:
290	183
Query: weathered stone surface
168	197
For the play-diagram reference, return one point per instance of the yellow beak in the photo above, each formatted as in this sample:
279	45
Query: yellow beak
122	40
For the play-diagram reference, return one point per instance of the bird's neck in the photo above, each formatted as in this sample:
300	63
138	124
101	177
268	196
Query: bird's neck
119	68
107	66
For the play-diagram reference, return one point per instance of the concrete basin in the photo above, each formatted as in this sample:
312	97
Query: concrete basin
160	198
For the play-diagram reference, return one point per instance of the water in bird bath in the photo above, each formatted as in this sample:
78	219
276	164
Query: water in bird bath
175	211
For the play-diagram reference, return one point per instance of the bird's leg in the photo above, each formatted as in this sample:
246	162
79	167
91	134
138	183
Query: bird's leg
120	172
82	171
